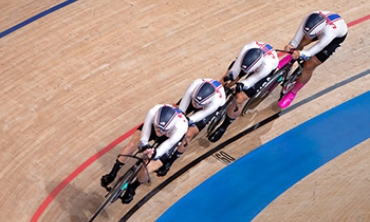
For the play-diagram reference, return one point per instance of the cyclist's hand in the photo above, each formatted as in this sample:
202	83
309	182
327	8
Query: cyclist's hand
228	84
289	48
150	152
239	87
227	80
143	146
296	54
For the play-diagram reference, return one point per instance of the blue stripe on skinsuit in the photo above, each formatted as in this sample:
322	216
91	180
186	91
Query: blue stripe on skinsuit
266	48
333	17
216	83
177	110
244	188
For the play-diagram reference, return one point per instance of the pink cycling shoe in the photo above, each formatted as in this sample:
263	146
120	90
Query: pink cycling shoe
286	100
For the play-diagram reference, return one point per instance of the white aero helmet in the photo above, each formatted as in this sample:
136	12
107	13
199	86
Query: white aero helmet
252	60
314	24
203	94
164	119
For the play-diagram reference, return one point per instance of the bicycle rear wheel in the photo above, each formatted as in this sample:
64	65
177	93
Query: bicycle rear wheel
264	92
117	190
219	117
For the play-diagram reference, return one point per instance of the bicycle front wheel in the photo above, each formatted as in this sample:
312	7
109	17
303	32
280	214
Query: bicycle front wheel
250	105
117	190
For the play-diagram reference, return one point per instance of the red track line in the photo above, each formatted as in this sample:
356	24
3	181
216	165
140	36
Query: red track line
358	21
88	162
75	173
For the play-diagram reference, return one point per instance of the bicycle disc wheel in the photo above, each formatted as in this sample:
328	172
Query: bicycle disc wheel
264	92
114	194
251	104
219	117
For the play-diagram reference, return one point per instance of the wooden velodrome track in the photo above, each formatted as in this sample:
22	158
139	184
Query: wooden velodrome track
78	78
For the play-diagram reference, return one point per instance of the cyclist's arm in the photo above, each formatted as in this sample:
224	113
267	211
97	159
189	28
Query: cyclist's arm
324	40
222	80
147	126
230	84
206	111
230	75
186	99
172	141
298	35
262	72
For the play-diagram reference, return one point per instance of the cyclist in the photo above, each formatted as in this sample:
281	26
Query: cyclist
164	124
255	61
325	28
200	102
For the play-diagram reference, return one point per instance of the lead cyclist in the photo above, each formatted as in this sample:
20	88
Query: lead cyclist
328	30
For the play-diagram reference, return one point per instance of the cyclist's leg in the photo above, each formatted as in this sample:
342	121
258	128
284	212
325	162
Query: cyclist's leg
230	117
127	150
308	68
240	99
